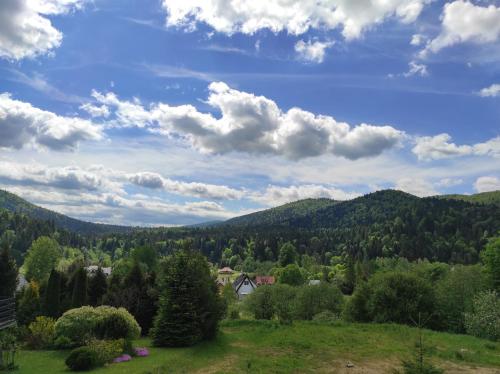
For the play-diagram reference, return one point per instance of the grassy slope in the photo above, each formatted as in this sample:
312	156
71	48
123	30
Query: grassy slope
305	347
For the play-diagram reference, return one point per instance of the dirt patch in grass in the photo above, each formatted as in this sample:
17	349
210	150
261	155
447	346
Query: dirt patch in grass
364	367
452	368
225	365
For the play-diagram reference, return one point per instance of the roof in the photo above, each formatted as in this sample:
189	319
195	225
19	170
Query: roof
93	269
314	282
261	280
226	270
239	281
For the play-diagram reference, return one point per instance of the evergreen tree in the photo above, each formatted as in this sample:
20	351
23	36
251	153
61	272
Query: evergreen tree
52	301
190	307
79	294
28	304
97	287
8	273
288	254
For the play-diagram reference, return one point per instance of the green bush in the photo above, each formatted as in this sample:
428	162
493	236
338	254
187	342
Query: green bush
260	303
326	317
82	359
41	333
106	350
312	300
233	312
484	320
82	324
113	326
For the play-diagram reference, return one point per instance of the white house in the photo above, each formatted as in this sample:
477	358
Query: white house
243	286
92	269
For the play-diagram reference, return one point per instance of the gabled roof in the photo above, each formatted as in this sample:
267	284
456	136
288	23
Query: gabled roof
226	270
239	281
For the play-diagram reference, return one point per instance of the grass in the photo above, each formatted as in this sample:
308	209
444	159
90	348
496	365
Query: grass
305	347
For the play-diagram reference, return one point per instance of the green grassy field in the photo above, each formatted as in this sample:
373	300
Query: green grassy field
304	347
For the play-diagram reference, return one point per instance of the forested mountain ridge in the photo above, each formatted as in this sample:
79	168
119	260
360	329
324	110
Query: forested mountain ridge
492	197
14	203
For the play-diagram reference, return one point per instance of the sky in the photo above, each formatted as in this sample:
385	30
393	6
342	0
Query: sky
175	112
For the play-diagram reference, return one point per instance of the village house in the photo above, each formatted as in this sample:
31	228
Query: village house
225	275
92	269
244	286
263	280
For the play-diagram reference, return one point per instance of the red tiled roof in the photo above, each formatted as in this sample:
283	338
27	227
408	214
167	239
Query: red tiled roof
261	280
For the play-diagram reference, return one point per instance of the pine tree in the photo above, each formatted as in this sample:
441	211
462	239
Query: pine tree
79	295
8	273
190	307
97	287
52	301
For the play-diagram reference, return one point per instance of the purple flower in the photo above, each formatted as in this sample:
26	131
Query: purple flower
141	352
122	358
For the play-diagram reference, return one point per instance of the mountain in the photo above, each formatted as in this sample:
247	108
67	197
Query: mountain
14	203
371	209
492	197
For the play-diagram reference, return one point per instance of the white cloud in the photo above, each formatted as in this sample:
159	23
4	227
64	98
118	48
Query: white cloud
491	91
22	124
440	147
312	51
295	17
415	68
416	186
202	190
449	182
276	195
25	31
417	39
255	125
487	184
95	111
463	22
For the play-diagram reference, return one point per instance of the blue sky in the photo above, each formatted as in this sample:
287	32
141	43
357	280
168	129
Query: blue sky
169	112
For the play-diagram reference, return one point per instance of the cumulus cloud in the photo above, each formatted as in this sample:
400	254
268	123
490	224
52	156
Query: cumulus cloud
255	125
491	91
487	184
463	21
295	17
417	39
202	190
25	31
312	51
22	124
440	147
277	195
416	186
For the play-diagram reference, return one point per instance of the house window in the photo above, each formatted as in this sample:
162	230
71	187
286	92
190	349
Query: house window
245	283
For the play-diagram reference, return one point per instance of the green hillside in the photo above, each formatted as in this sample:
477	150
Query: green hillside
492	197
14	203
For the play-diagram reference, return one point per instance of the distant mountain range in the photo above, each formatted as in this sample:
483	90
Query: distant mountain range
309	213
14	203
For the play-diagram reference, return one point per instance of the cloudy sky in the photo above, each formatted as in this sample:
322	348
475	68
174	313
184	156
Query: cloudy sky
170	112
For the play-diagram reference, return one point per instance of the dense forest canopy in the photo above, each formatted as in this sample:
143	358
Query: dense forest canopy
382	224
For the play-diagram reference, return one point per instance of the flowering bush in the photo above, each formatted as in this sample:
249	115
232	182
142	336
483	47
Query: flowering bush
141	352
41	333
484	321
106	350
122	358
82	324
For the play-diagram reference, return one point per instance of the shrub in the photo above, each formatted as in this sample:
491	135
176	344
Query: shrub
326	317
8	349
106	350
41	333
357	308
260	303
283	297
312	300
484	320
82	359
82	324
233	312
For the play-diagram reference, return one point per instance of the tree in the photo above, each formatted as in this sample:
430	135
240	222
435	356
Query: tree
8	273
400	298
291	275
28	304
79	294
97	287
260	302
283	297
190	307
42	257
146	255
312	300
491	260
288	254
484	320
52	300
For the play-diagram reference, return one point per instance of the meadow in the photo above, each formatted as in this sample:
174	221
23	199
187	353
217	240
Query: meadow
249	346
